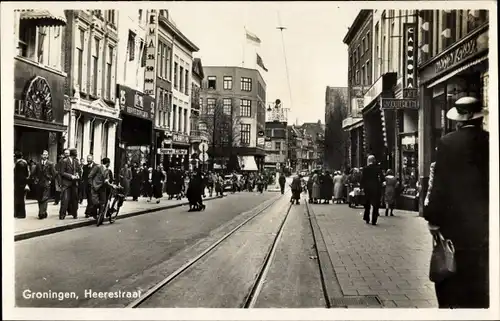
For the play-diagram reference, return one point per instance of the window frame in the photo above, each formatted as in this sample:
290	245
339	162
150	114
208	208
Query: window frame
227	82
225	106
245	109
214	79
246	84
245	132
211	106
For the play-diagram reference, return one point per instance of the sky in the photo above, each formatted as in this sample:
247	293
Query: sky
316	55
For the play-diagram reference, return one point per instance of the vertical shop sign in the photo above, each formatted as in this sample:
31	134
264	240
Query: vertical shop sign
409	58
151	42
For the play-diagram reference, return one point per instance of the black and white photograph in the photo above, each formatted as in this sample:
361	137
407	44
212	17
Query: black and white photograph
299	159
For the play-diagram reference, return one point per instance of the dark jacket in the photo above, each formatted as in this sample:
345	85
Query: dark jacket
282	180
67	168
86	171
372	179
459	199
21	174
98	177
44	174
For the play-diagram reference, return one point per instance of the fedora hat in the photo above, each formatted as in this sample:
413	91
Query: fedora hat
466	108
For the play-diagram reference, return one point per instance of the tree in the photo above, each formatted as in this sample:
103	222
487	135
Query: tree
336	139
221	125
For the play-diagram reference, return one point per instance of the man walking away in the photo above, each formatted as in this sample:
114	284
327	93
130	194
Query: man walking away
100	181
87	168
459	206
296	187
282	181
371	182
43	175
21	175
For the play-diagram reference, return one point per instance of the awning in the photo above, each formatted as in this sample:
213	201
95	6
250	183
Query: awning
457	71
38	124
247	163
44	17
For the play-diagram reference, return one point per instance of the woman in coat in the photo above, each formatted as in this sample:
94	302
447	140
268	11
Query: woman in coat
316	191
391	184
156	180
327	188
338	188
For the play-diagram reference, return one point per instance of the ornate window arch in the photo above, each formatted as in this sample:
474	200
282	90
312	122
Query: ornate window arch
38	100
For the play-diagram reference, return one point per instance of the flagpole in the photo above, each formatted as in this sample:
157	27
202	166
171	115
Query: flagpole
244	40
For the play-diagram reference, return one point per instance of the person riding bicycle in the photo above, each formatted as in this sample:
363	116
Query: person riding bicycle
100	179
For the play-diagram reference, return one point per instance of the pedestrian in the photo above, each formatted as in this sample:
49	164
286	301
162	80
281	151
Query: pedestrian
43	174
316	192
81	183
371	183
309	186
327	188
69	172
86	185
458	206
135	183
338	188
391	186
155	179
282	181
57	181
21	175
144	180
101	181
296	188
125	179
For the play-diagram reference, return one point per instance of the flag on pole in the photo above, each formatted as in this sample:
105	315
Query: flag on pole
260	62
252	38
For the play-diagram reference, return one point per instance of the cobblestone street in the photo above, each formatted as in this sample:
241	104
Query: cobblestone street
390	260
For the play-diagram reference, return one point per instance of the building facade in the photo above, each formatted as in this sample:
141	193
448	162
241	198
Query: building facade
359	40
196	136
452	63
173	91
241	94
137	109
276	140
39	79
92	111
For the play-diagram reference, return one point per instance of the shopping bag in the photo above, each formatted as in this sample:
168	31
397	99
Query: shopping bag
443	263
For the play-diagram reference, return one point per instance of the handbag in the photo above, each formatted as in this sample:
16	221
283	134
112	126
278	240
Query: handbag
443	263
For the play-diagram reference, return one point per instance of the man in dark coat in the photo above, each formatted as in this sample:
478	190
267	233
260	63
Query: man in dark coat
135	183
296	187
282	181
371	182
43	175
69	171
21	175
87	168
100	182
327	188
459	206
156	180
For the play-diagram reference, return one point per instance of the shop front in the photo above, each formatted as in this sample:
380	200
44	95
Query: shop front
354	126
378	123
135	133
461	70
173	151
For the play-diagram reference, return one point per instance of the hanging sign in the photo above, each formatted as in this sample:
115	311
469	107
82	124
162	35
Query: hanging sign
409	58
151	42
392	103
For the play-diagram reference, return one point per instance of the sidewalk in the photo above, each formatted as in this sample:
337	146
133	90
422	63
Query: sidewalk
389	260
31	226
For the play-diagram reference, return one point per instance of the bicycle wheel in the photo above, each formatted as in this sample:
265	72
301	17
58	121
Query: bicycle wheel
102	214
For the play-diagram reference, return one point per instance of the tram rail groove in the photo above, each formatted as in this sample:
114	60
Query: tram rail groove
252	297
136	303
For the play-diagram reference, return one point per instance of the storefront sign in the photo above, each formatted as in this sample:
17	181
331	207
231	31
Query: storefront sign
454	57
151	43
409	58
172	151
392	103
135	103
410	93
180	138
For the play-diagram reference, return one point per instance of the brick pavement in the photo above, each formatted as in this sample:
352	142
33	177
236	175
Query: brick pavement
390	260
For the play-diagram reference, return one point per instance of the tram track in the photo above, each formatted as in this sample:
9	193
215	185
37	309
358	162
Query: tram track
250	299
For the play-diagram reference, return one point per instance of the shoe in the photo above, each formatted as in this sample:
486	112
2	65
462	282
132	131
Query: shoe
373	223
75	216
158	202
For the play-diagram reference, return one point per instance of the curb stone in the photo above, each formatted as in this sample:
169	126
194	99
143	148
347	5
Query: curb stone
55	229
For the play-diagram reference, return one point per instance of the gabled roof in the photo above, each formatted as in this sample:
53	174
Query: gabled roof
198	68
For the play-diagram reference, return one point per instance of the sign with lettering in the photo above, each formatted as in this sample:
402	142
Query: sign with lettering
135	103
454	57
392	103
410	55
410	93
151	43
180	138
172	151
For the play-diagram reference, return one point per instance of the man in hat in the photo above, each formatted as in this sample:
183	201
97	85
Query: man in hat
458	206
43	175
371	182
69	172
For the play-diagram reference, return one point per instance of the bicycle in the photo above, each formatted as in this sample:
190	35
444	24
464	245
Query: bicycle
115	198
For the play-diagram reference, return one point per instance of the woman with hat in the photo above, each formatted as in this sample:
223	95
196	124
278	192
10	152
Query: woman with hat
458	206
391	184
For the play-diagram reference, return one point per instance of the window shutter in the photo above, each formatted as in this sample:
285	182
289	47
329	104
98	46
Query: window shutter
113	74
85	69
100	66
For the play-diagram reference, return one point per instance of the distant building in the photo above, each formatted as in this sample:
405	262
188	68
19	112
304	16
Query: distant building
336	140
241	92
276	145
